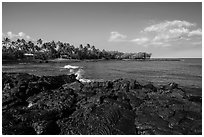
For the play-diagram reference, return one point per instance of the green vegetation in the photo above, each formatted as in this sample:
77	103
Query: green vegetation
21	49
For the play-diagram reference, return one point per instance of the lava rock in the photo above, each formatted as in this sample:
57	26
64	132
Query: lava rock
46	128
196	99
102	120
51	105
151	87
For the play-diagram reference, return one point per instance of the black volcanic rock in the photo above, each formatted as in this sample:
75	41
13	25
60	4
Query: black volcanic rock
22	85
106	119
51	105
151	87
54	82
197	99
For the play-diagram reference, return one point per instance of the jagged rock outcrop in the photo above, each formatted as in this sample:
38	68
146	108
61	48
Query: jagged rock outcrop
63	105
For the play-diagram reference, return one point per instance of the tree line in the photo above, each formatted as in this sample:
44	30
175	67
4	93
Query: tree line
17	49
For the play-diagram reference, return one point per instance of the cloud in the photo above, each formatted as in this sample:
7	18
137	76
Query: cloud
178	31
156	43
117	37
160	44
163	34
21	35
197	32
10	34
161	37
147	42
166	25
169	31
140	41
28	37
171	34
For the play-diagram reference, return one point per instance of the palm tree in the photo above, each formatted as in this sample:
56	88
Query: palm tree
23	41
88	46
85	52
31	46
68	49
18	40
53	44
24	45
59	45
39	43
6	41
88	51
80	46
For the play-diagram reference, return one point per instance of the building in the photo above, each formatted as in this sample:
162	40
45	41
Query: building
29	56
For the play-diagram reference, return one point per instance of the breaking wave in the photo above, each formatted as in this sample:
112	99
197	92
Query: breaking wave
71	67
79	72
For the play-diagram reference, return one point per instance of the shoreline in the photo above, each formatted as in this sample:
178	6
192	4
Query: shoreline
61	60
188	88
63	105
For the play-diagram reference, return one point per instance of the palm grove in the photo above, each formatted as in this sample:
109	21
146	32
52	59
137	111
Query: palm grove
16	49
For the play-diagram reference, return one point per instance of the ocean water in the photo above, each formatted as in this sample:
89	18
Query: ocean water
187	72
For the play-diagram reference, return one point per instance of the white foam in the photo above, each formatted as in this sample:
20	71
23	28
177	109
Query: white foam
71	71
79	72
30	104
71	67
83	80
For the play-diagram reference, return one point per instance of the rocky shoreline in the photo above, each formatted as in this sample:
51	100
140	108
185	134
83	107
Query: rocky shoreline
63	105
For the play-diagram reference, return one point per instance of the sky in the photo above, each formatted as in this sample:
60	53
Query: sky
163	29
